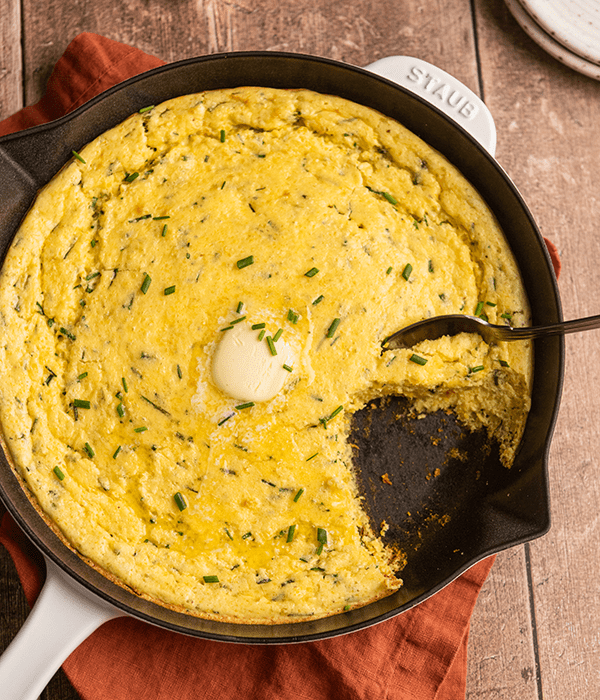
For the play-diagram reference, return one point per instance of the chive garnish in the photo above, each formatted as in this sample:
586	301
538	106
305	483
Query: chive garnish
292	316
277	335
504	363
146	283
312	456
297	496
318	300
312	272
290	534
287	368
242	406
258	326
244	262
211	579
228	534
390	199
88	448
121	410
180	501
245	537
418	360
131	177
238	320
59	473
324	421
222	135
321	535
141	429
169	290
164	230
333	327
66	333
146	109
160	218
390	268
271	345
83	375
124	382
227	328
158	408
81	403
79	158
476	369
117	452
407	270
430	266
224	420
239	308
179	372
478	308
261	335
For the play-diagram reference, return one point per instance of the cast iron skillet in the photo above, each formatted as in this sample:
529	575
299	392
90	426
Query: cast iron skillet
490	507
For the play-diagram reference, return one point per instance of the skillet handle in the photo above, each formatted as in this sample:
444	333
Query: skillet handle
442	91
64	614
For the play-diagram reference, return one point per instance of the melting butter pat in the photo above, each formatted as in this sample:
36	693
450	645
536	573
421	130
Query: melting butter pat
245	367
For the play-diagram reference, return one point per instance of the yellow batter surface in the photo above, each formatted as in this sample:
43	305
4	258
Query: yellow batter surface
275	209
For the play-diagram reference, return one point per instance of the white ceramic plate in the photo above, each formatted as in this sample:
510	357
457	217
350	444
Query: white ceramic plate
551	45
573	23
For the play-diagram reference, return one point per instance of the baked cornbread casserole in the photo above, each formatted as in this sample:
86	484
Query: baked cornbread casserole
193	309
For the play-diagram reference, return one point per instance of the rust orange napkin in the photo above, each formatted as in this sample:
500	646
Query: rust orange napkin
419	655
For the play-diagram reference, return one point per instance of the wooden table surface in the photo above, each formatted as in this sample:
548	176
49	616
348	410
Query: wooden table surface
535	630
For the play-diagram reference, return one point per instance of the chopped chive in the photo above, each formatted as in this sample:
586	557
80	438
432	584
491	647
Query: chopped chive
338	410
390	199
407	270
271	345
66	333
244	262
81	403
504	363
224	183
292	316
261	335
83	375
141	429
290	534
169	290
117	452
476	369
238	320
312	456
490	303
312	272
506	315
227	328
418	360
318	300
430	266
258	326
79	158
239	308
179	372
390	268
478	308
228	534
180	501
211	579
145	109
164	231
287	368
160	218
277	335
124	382
121	410
88	448
241	406
297	496
158	408
321	535
224	420
333	327
146	283
245	537
139	218
131	177
222	135
59	473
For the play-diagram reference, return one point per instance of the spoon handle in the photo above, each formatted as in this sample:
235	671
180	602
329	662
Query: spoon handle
574	326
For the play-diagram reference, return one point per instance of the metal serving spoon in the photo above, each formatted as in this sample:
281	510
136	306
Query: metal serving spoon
436	327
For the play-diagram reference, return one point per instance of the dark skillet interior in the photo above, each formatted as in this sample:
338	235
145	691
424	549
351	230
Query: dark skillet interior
489	507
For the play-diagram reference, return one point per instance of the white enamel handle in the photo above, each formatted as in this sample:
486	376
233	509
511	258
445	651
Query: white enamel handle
64	614
444	91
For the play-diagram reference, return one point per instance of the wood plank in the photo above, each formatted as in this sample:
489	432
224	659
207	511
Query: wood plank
548	117
11	92
359	33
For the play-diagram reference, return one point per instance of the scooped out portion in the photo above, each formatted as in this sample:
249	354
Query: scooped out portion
192	311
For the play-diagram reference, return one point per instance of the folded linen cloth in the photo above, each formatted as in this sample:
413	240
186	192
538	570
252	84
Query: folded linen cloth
419	655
